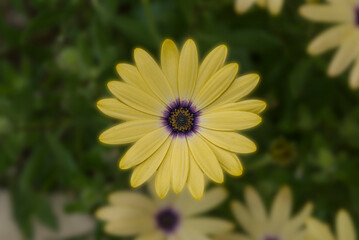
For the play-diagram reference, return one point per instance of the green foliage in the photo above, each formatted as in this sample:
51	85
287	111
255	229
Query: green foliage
56	57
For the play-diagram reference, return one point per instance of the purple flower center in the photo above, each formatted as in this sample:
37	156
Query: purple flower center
356	15
271	237
181	118
167	220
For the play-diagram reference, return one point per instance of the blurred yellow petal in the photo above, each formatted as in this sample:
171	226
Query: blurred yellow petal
281	208
145	170
318	230
242	6
116	109
344	226
153	75
179	164
129	131
209	225
230	141
327	12
255	206
144	148
254	106
190	234
275	6
205	158
131	226
229	120
136	98
121	213
187	70
298	221
195	179
131	75
244	218
354	76
169	63
155	235
216	85
232	236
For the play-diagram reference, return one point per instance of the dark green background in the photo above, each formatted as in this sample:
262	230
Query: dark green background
56	57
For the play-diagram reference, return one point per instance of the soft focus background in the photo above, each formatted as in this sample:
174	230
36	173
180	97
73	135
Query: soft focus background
56	57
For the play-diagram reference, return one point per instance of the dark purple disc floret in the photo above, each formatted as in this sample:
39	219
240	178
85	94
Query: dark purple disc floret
167	220
357	15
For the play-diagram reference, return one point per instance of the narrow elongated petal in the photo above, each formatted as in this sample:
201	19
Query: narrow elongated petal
129	131
155	235
131	200
187	70
190	234
163	176
327	13
255	206
347	52
354	75
329	39
229	141
216	85
232	236
136	98
205	158
153	75
210	65
195	179
244	218
115	213
131	226
179	164
298	220
242	6
281	208
209	225
146	169
169	63
229	120
131	75
318	230
344	226
116	109
240	88
229	161
144	148
275	6
254	106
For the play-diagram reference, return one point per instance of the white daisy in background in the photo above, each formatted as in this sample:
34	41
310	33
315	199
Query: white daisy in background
320	231
274	6
278	225
173	218
344	35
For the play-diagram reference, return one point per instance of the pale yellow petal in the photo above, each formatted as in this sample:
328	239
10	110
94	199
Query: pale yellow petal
354	76
230	141
145	170
344	226
229	120
244	218
299	220
116	109
275	6
131	75
228	160
195	179
191	234
169	63
329	39
187	70
254	106
211	199
255	206
210	65
155	235
153	76
132	226
240	88
136	98
129	132
318	230
179	163
346	54
144	148
205	158
208	225
281	209
216	85
163	176
119	213
131	200
232	236
327	12
242	6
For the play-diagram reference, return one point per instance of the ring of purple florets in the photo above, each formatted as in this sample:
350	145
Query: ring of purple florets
181	118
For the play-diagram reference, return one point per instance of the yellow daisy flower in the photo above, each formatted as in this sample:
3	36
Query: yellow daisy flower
344	35
320	231
173	218
182	116
274	6
279	225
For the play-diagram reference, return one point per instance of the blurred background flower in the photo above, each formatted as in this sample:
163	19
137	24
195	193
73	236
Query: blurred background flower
274	6
175	217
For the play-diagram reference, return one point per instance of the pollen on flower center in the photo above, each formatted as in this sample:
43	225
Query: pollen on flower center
167	220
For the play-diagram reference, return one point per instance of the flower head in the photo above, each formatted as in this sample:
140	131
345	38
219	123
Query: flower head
279	225
344	35
175	217
274	6
320	231
182	116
